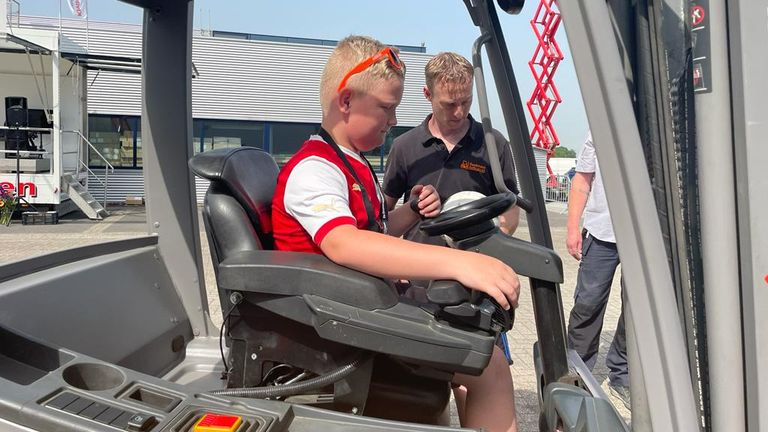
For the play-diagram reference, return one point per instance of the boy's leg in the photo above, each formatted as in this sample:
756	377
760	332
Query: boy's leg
490	401
593	286
460	397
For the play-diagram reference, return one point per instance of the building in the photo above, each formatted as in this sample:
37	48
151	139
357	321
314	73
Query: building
247	89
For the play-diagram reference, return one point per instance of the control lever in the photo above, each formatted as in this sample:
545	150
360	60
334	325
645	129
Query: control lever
447	293
477	310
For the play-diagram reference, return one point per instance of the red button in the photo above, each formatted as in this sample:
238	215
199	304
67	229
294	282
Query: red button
217	423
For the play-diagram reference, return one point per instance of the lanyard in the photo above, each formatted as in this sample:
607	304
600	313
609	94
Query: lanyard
373	225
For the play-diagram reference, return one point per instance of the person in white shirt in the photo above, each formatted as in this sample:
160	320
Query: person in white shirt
594	245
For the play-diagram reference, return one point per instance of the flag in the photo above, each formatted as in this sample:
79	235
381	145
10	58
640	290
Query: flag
78	8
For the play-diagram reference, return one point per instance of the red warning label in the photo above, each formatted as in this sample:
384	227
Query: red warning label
697	15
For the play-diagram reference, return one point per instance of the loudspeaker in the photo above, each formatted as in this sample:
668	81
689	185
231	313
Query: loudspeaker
15	100
16	115
16	112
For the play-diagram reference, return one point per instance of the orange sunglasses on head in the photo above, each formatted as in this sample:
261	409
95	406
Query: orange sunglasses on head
386	53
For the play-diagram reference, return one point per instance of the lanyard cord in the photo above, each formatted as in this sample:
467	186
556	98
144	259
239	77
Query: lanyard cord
372	223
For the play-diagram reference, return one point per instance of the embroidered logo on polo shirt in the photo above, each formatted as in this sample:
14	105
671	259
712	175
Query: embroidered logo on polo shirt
356	187
471	166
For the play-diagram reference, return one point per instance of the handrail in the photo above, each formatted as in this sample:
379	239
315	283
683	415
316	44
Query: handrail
96	177
25	128
108	166
9	18
29	152
94	174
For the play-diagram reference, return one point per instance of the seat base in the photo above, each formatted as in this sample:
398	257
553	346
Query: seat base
264	346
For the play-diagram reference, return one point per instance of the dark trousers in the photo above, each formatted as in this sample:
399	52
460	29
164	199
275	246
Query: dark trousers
599	260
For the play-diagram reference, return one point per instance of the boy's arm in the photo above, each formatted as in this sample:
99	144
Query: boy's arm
401	220
391	257
404	217
390	202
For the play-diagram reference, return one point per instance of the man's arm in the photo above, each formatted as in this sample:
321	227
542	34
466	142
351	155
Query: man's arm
509	220
581	184
394	258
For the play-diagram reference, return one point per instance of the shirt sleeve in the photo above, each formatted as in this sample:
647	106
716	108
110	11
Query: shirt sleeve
316	195
507	164
395	180
586	161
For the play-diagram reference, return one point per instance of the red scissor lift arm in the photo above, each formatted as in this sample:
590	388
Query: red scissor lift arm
545	98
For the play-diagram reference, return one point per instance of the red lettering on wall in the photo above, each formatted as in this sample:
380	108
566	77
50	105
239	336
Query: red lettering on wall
27	189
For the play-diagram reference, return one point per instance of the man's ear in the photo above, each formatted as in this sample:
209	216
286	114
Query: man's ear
345	96
427	93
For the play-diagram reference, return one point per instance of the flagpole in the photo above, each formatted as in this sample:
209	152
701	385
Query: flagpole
87	29
59	17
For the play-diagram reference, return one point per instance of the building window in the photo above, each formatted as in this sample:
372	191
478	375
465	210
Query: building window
117	138
378	156
285	139
214	134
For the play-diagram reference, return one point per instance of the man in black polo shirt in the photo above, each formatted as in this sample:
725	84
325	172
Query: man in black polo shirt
447	149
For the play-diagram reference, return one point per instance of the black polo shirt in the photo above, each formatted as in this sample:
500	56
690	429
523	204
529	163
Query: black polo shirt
418	157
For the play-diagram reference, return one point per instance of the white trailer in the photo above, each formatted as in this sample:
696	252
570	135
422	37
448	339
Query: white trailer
52	169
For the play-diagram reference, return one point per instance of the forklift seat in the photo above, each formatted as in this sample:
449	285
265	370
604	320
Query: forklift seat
304	310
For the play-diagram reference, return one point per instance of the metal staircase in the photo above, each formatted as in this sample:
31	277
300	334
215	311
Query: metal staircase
82	198
70	182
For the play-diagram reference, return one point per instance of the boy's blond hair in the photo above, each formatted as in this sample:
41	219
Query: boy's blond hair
348	53
448	67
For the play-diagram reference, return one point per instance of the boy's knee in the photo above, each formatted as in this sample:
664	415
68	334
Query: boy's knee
498	367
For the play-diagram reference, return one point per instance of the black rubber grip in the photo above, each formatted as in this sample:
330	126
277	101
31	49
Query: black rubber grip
414	204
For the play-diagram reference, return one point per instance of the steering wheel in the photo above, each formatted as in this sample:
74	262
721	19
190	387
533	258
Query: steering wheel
470	214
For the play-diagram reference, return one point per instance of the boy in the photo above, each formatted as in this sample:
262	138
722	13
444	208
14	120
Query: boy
328	201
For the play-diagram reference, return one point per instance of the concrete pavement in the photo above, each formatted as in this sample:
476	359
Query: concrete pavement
19	242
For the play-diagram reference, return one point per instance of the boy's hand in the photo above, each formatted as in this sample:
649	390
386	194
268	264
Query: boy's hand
491	276
427	201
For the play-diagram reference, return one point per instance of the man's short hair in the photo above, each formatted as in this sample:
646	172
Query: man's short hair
348	53
448	67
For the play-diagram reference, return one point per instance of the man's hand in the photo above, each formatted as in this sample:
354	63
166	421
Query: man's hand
581	185
428	201
573	243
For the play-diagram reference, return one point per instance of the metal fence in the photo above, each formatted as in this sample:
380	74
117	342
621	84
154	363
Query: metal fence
557	188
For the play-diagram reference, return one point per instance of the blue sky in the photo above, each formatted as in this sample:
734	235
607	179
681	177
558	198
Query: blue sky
441	25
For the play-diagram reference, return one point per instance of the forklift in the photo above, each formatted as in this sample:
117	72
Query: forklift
676	108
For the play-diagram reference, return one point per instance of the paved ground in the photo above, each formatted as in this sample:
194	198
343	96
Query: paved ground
20	242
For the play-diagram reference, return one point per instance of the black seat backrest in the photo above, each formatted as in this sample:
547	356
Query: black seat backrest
238	205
